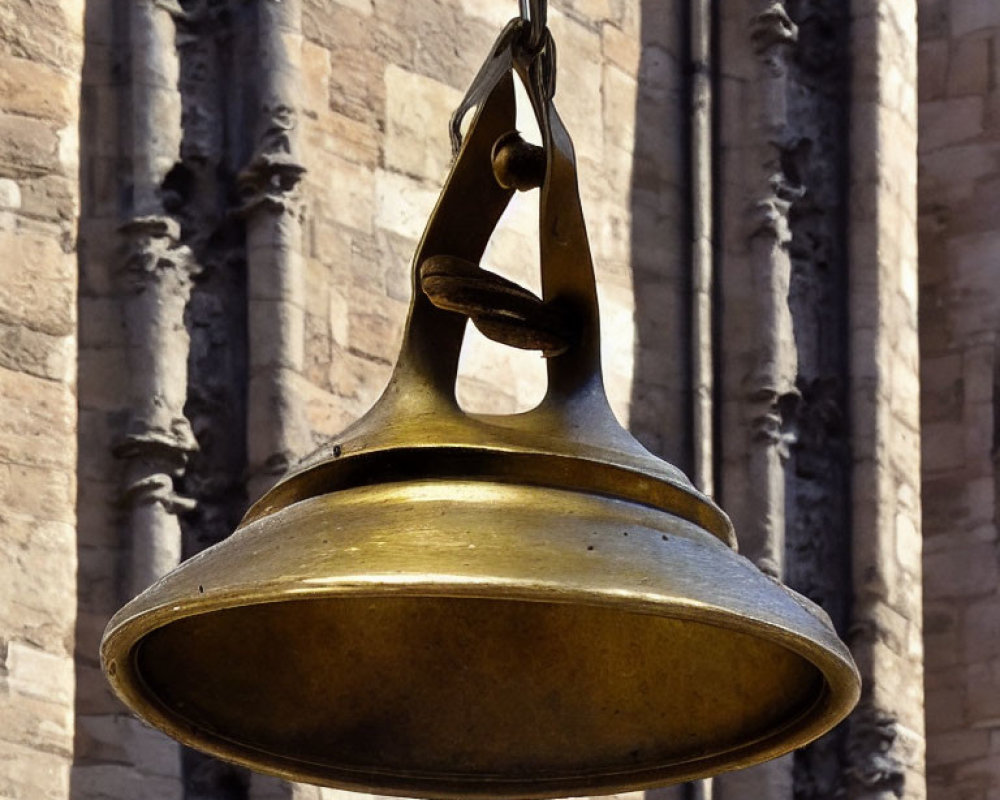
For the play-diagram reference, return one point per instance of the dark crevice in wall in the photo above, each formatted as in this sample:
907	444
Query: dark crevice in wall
819	467
201	192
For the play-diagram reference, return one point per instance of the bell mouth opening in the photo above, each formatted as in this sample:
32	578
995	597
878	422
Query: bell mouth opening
463	696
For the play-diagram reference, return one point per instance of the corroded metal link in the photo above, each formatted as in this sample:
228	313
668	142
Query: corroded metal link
499	308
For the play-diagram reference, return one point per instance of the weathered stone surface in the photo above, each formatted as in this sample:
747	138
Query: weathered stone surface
36	281
960	314
366	97
39	88
35	90
415	107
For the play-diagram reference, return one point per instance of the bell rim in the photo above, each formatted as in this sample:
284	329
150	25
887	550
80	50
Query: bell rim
837	697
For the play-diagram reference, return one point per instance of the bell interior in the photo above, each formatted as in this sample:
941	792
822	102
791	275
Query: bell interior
471	689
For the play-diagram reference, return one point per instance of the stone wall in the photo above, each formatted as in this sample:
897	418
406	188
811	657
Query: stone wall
40	55
253	177
960	324
886	743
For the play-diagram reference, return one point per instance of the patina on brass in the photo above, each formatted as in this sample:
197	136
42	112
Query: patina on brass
445	605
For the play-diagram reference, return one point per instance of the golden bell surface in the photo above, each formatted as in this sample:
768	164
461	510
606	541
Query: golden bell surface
445	605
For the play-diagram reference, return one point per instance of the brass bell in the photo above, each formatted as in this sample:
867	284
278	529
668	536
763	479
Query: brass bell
445	605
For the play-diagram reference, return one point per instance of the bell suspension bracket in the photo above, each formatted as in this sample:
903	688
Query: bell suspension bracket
501	309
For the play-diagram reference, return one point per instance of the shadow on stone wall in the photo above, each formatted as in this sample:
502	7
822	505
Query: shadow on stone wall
99	754
660	402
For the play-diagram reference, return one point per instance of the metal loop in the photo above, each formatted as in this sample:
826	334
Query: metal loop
535	12
498	62
502	310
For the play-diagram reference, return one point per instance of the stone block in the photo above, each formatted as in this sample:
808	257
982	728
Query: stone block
36	673
37	599
945	711
375	325
318	285
943	445
908	544
36	90
358	51
591	12
28	146
961	572
340	315
123	782
356	380
50	197
10	195
402	204
331	133
956	746
495	379
514	254
34	722
37	281
329	244
344	192
443	44
933	69
31	774
325	413
981	630
942	387
50	33
477	396
41	418
620	48
970	67
395	255
620	92
417	113
318	349
365	266
944	123
982	683
37	354
579	67
968	16
315	79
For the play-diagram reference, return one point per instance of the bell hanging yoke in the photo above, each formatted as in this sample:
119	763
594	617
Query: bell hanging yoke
448	605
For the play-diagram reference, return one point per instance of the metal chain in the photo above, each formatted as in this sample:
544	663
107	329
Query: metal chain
535	13
529	34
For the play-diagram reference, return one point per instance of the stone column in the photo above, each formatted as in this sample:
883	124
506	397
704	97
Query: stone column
886	740
702	247
277	430
155	285
762	362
